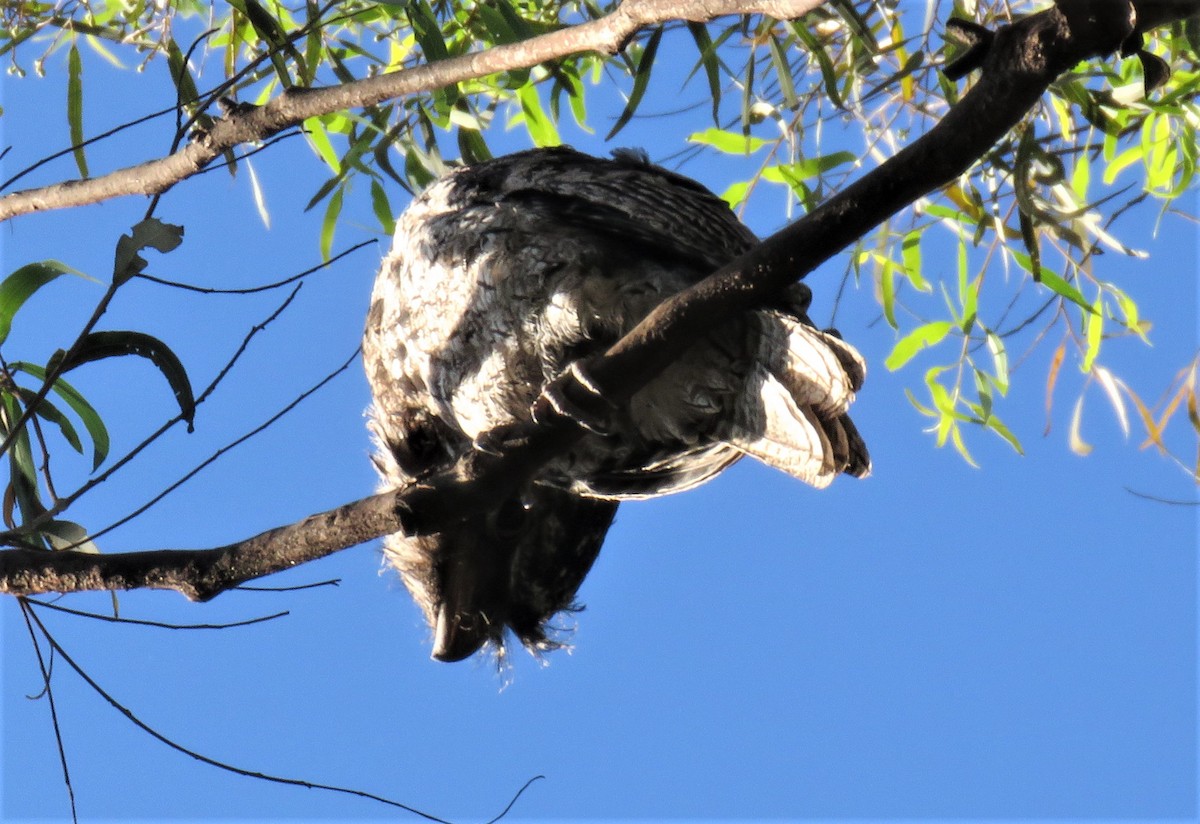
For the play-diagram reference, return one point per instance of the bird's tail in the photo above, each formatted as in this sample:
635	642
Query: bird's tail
793	415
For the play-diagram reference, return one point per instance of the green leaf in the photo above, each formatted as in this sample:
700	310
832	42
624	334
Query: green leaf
1056	284
816	49
92	422
21	284
808	168
1121	162
783	72
1094	333
497	27
922	408
970	303
75	108
152	233
49	412
910	254
314	130
930	334
185	86
23	472
712	67
502	22
733	143
887	289
382	208
427	31
100	345
540	127
736	193
641	81
64	535
329	223
270	32
996	425
1000	361
515	21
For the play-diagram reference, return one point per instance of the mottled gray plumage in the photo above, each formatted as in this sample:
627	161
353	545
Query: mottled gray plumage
503	274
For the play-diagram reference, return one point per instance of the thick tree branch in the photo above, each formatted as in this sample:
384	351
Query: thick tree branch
200	574
1020	64
294	106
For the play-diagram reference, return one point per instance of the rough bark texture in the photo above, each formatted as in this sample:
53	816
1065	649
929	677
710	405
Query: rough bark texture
1021	62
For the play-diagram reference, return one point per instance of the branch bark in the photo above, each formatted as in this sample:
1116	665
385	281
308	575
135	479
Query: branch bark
1021	63
294	106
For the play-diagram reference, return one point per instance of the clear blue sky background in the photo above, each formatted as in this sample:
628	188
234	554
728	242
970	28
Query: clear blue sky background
938	641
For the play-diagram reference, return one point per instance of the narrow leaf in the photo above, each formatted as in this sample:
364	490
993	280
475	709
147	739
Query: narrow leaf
75	107
92	421
641	81
910	254
329	224
1095	335
21	284
100	345
920	338
1000	361
51	413
1059	286
783	72
712	68
733	143
887	292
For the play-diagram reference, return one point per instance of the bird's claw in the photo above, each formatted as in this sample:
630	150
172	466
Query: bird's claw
498	439
575	395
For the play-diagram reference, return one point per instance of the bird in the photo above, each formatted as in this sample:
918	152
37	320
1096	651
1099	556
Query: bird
506	274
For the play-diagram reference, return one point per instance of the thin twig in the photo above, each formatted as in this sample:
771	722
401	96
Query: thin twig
112	619
252	290
226	448
212	762
27	614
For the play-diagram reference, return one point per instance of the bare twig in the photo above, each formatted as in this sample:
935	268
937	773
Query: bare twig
216	455
251	290
146	728
113	619
48	691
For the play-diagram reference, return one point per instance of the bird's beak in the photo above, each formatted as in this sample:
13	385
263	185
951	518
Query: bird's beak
452	640
469	613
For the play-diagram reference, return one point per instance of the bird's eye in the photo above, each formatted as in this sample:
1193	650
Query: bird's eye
510	518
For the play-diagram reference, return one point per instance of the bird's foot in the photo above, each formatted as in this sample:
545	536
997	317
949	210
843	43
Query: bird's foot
499	439
576	396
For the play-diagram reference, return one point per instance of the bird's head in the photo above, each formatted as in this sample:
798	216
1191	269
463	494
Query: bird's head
511	570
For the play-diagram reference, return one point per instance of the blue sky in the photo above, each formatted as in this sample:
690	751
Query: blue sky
937	641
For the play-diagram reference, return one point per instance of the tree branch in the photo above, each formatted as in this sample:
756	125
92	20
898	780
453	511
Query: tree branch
200	574
295	105
1023	60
